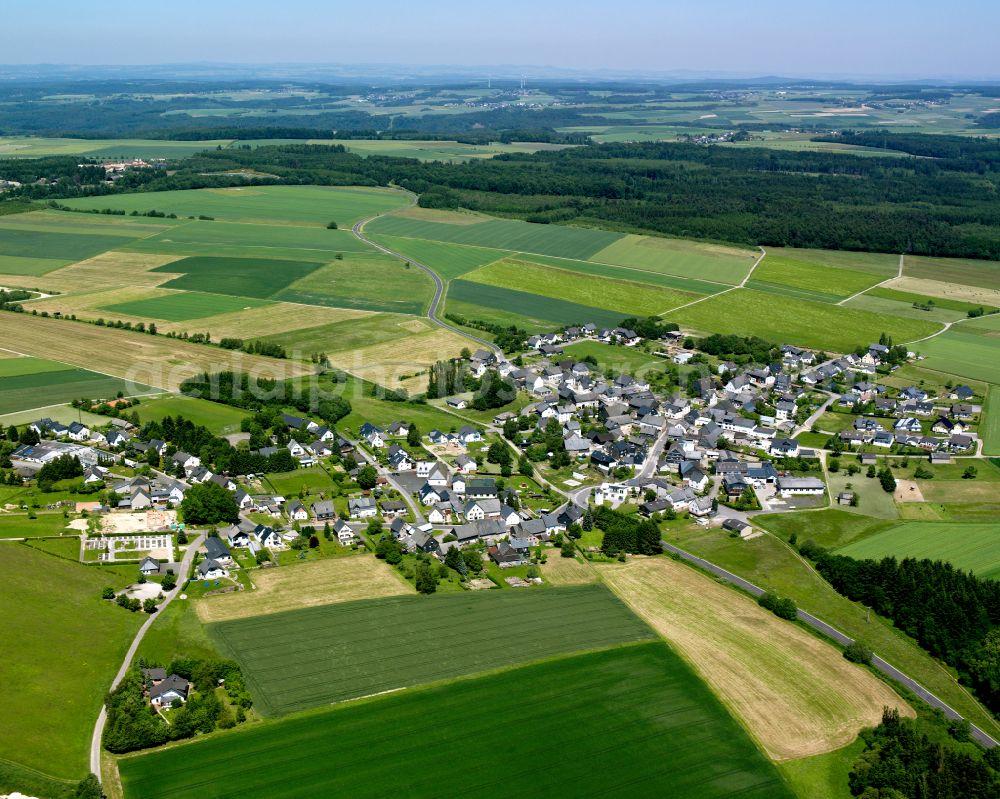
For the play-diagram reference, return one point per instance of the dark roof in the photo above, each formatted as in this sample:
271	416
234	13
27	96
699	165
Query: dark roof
171	683
216	549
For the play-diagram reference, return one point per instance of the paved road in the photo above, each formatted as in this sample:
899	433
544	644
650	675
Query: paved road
358	231
417	514
832	632
185	567
814	417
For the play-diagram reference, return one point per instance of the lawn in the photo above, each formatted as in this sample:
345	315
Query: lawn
872	500
18	525
503	234
367	282
182	306
304	205
220	419
311	480
27	383
679	257
535	309
78	651
315	656
969	546
772	564
795	693
626	297
366	408
823	776
448	260
808	324
178	632
237	277
820	282
638	711
965	352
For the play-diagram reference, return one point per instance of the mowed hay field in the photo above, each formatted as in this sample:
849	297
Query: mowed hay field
626	297
308	658
632	721
711	262
139	359
320	582
968	350
823	326
27	383
220	419
309	205
968	546
796	694
808	279
68	644
954	270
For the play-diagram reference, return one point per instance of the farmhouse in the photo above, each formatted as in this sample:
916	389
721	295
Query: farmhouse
164	693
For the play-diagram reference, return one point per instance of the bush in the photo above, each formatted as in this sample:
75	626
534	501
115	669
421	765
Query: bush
857	652
782	607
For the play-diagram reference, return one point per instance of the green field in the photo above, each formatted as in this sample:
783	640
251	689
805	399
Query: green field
533	309
690	285
874	302
36	252
181	307
809	280
367	282
628	298
632	721
969	546
347	334
989	425
504	234
366	408
238	277
308	658
310	479
958	306
448	260
619	359
963	351
679	257
985	274
305	205
32	147
808	324
79	652
27	383
881	264
220	419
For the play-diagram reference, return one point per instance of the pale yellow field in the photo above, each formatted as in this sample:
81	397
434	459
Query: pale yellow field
394	363
947	291
304	585
110	269
567	571
280	317
796	694
137	357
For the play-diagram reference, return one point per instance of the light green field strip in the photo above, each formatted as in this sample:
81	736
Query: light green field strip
969	546
985	274
183	306
989	426
880	305
965	353
14	367
882	264
25	265
679	257
807	276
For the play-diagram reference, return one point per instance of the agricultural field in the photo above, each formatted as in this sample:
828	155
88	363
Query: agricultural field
625	297
292	205
347	334
711	262
965	351
808	279
672	737
532	311
795	693
32	147
306	585
184	306
40	728
367	282
968	546
882	265
875	301
27	383
239	277
448	260
367	408
808	324
138	359
989	427
220	419
985	274
312	657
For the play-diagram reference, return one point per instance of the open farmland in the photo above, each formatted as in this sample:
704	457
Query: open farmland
966	351
448	260
311	657
348	334
985	274
41	728
989	427
969	546
479	301
305	205
882	265
808	324
183	306
220	419
629	360
37	252
240	277
679	257
638	711
139	359
32	147
628	298
799	277
795	693
875	302
27	383
319	582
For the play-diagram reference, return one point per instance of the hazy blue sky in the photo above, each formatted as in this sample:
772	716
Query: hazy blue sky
903	37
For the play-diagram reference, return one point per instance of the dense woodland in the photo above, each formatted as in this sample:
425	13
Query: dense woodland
952	614
930	206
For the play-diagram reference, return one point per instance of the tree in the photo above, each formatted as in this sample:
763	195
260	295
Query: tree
453	560
568	548
367	477
970	473
834	465
424	579
149	605
857	652
524	466
389	550
169	581
331	225
871	471
782	607
473	560
89	788
588	520
413	435
209	503
887	480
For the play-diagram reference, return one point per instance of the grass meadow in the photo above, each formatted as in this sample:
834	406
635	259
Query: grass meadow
639	712
220	419
813	280
302	205
968	546
989	426
679	257
984	274
620	359
965	351
448	260
50	694
312	657
496	303
27	383
808	324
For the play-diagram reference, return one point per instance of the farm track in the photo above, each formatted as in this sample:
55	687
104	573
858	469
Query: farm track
740	285
432	309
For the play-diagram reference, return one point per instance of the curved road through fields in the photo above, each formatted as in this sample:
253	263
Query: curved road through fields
432	309
185	567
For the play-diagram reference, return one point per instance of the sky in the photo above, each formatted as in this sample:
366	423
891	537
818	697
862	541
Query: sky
875	38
